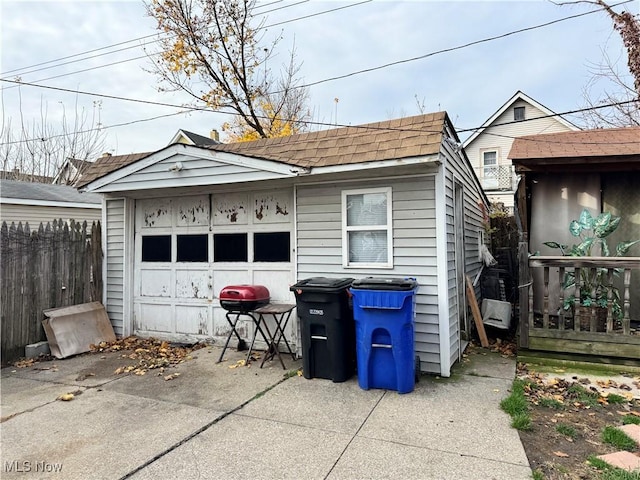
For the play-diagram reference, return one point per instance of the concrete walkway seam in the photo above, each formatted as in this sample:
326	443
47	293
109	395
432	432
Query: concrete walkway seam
355	435
202	429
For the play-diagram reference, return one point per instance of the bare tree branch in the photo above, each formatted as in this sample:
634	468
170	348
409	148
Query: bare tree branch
214	53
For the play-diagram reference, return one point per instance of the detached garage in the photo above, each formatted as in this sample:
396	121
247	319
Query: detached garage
395	198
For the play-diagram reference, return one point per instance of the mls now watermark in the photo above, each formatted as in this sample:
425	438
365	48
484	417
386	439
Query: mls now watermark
27	466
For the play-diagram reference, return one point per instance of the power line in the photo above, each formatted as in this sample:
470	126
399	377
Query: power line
306	122
459	47
21	72
118	62
115	45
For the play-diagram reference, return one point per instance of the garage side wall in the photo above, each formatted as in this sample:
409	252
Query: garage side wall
114	263
458	170
319	246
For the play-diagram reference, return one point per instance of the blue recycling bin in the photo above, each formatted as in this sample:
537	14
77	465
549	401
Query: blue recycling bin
384	311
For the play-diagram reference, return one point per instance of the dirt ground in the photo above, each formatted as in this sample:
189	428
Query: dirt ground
566	429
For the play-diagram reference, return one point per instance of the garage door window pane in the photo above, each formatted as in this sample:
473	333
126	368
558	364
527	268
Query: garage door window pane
156	248
192	248
271	247
230	247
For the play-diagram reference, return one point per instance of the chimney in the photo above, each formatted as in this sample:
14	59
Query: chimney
214	135
105	154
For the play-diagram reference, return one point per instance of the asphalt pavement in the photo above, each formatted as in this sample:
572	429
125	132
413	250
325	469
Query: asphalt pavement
227	421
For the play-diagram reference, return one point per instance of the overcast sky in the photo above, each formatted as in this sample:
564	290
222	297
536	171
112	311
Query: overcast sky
551	64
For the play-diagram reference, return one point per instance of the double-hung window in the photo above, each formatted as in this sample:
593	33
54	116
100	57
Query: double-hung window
367	236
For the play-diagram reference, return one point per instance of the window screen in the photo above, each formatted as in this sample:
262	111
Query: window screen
192	248
230	247
367	227
271	247
156	248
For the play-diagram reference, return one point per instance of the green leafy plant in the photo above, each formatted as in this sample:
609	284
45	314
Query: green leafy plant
595	287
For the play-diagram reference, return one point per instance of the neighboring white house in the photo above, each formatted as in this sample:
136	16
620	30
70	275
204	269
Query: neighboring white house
389	199
487	148
189	138
33	203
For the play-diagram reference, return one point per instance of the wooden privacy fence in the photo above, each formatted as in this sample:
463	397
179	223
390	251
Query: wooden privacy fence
57	265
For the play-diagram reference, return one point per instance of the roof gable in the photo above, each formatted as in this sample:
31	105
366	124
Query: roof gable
517	97
190	138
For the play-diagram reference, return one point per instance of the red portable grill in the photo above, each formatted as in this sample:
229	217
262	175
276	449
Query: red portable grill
243	298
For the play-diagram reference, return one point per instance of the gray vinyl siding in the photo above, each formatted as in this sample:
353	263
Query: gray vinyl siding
36	214
457	169
195	171
319	246
114	260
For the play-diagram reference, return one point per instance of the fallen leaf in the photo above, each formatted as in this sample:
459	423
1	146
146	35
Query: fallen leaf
66	397
560	454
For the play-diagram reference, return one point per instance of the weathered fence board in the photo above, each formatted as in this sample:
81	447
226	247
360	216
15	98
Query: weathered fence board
57	265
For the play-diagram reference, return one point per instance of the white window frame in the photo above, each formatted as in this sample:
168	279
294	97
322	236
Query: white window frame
388	228
494	166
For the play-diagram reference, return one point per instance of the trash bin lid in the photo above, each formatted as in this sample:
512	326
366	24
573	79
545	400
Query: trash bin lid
323	284
372	283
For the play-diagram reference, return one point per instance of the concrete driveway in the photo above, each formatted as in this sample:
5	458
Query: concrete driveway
212	421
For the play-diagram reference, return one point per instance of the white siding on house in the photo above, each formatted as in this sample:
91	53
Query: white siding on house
36	214
499	138
319	252
114	260
457	170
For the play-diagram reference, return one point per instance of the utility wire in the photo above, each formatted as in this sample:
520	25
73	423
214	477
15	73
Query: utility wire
21	72
106	47
421	57
458	47
306	122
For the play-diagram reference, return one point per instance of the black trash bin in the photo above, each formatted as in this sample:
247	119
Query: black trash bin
328	331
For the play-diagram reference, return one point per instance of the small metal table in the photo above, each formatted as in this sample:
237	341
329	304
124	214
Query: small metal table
281	312
233	317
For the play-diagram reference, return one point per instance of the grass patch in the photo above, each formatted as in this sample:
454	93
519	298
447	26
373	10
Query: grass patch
619	439
611	473
580	394
516	403
567	430
538	475
517	406
615	399
630	420
522	422
551	403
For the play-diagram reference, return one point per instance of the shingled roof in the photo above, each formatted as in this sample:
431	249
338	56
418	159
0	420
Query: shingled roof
401	138
108	164
611	142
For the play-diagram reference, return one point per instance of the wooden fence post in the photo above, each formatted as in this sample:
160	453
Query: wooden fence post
524	284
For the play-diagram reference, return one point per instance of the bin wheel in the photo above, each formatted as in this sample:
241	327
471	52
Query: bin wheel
417	369
242	345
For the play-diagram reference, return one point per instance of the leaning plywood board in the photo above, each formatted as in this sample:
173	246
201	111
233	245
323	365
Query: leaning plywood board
477	317
72	330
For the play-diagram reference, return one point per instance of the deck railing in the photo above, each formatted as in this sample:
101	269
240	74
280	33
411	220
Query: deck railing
565	320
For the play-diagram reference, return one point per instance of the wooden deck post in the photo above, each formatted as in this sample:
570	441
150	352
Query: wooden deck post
524	284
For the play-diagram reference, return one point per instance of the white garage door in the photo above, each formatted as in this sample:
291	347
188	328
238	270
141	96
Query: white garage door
188	248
